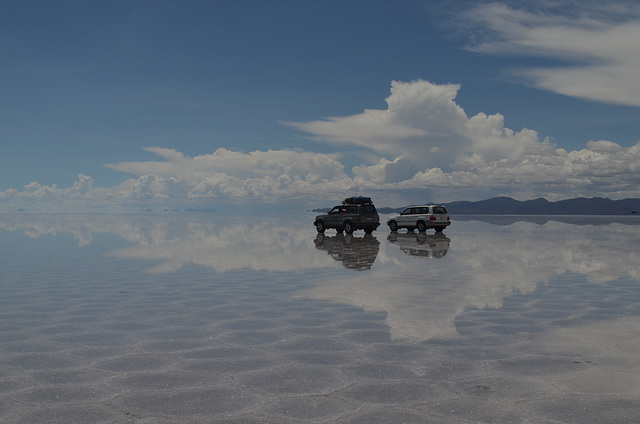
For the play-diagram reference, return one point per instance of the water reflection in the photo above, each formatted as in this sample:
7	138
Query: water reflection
518	319
421	298
486	264
175	241
357	253
421	244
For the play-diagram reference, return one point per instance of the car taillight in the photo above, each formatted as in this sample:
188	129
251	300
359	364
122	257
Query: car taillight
358	217
432	218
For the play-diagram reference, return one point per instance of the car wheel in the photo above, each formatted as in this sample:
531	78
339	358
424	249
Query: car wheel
422	227
439	229
348	227
393	226
320	226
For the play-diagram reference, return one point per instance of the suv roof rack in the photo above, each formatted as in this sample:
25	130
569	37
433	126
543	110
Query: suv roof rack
358	200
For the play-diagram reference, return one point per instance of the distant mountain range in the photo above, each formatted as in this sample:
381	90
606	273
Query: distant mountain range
509	206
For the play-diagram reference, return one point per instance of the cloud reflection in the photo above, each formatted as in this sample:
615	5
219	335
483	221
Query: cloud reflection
422	281
484	264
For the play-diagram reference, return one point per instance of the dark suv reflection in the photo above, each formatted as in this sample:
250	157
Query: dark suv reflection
421	244
357	253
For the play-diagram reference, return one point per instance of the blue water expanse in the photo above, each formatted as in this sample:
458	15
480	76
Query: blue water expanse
210	318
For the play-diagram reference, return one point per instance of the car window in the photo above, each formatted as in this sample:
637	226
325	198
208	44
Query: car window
439	209
367	209
406	212
351	209
424	210
335	210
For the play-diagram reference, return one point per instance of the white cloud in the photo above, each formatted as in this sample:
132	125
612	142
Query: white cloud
423	127
597	45
438	150
258	174
421	119
477	152
489	264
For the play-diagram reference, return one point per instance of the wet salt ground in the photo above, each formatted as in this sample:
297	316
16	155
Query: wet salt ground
173	319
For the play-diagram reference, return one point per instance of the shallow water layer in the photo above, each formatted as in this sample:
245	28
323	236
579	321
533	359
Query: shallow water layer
207	318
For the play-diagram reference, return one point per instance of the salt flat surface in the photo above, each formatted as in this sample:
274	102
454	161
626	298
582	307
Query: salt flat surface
204	318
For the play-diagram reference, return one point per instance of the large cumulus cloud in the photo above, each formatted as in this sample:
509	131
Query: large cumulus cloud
423	141
423	127
441	148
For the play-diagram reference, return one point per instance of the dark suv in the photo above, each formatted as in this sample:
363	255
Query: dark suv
355	213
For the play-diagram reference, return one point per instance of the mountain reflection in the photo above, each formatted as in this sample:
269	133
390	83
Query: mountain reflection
543	219
421	298
357	253
421	244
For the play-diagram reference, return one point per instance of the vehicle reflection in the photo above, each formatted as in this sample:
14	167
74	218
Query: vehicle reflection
421	299
358	253
421	244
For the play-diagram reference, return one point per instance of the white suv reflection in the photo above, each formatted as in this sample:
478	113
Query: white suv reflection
422	217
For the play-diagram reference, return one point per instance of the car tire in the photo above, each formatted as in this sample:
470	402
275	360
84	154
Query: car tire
393	226
439	229
348	227
422	227
320	226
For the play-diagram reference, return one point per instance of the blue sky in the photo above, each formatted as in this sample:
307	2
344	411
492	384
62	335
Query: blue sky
204	102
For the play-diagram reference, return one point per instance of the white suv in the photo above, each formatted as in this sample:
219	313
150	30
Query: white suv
421	217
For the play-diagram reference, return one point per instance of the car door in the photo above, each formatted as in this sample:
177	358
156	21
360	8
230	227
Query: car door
405	219
351	213
335	217
440	212
422	214
369	214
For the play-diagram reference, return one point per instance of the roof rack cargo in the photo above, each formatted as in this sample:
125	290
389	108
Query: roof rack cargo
357	200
